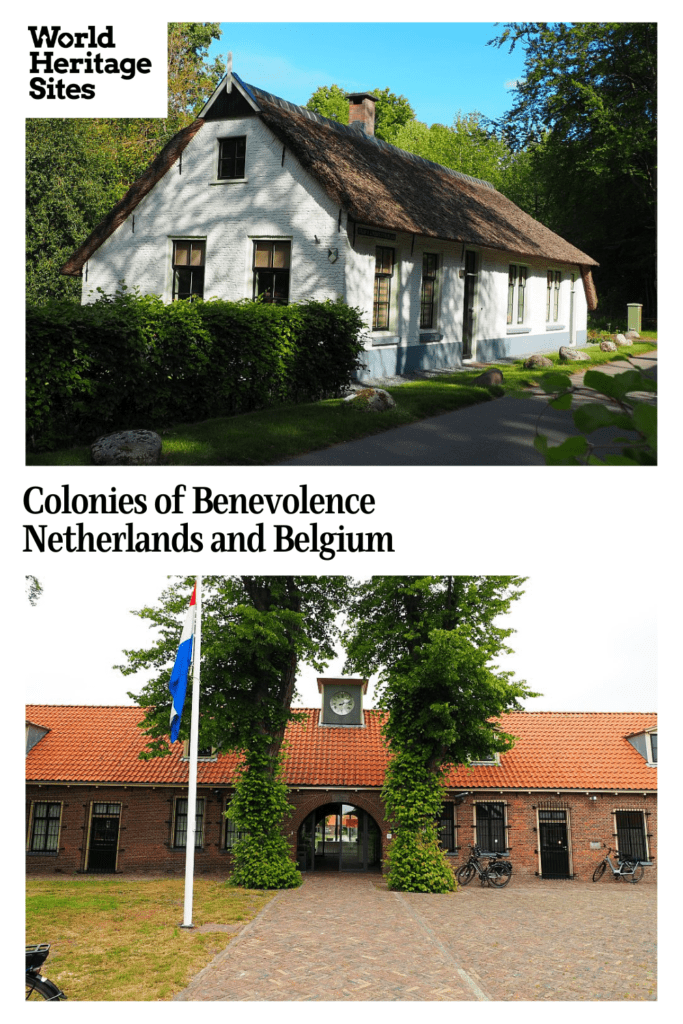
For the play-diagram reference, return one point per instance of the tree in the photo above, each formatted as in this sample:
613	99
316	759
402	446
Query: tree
256	631
34	589
587	106
391	111
433	639
467	146
77	169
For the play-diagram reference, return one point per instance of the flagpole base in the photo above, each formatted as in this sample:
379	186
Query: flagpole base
186	926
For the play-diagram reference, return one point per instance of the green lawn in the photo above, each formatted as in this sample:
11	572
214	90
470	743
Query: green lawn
115	939
270	435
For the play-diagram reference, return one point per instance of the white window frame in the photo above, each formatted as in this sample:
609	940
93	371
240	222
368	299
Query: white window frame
512	317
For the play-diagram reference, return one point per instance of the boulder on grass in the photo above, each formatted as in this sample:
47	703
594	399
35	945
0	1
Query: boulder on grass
608	346
537	362
621	339
573	355
372	399
127	448
633	335
488	379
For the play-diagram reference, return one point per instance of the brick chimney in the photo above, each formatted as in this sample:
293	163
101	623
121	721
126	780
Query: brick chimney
362	111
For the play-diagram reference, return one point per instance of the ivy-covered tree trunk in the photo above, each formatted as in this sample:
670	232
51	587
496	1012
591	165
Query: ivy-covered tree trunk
413	796
262	858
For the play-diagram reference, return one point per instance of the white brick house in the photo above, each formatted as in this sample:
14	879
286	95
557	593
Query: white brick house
261	197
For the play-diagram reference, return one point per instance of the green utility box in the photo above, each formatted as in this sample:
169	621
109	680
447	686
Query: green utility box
635	316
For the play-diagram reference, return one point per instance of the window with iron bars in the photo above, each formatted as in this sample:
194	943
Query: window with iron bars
447	829
490	827
188	269
384	269
232	157
631	834
45	823
430	264
180	823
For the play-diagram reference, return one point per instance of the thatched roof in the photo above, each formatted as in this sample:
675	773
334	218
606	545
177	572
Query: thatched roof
374	182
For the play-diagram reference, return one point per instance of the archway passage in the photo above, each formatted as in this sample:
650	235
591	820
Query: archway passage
339	837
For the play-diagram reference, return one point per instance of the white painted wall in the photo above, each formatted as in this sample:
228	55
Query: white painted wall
276	201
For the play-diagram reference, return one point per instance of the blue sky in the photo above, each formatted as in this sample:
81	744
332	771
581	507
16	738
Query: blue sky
440	68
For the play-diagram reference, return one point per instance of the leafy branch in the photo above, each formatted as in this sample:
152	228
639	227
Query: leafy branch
621	409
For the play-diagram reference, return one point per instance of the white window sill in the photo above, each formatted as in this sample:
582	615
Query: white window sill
555	327
384	339
430	336
521	329
229	181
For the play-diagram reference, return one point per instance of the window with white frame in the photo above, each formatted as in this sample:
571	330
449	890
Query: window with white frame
430	267
490	826
384	271
652	737
516	294
232	155
188	269
552	302
180	823
631	833
272	262
44	827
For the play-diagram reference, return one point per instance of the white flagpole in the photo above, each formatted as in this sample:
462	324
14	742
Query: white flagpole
194	738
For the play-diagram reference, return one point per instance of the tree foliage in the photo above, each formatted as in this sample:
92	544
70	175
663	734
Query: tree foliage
392	112
433	640
77	169
256	631
466	146
585	112
34	589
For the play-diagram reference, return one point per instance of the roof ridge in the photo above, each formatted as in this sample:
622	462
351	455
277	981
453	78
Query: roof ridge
347	129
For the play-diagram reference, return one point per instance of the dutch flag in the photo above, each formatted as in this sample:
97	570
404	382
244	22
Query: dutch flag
178	682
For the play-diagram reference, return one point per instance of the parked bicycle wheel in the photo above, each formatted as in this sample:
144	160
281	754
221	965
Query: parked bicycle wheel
638	873
465	874
499	875
599	871
41	988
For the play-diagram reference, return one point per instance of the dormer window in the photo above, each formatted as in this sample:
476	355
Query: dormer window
646	745
487	759
653	747
203	754
231	158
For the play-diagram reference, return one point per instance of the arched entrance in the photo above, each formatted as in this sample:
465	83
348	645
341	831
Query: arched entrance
339	837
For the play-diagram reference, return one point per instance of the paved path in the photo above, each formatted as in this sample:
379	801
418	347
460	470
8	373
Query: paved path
498	433
347	938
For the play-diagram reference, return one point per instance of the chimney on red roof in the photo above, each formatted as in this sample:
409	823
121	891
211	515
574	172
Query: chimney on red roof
362	111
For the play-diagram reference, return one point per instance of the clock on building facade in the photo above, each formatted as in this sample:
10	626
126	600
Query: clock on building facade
342	701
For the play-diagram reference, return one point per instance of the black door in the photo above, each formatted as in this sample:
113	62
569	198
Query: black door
104	838
468	303
552	826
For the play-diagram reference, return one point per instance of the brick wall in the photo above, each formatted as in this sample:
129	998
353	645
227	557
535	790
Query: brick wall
146	826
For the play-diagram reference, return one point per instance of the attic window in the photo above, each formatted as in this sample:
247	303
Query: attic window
203	754
653	748
231	158
188	269
488	759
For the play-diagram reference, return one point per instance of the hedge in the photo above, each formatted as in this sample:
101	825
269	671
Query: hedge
130	361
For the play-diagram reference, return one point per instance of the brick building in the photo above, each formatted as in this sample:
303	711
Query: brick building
573	783
259	197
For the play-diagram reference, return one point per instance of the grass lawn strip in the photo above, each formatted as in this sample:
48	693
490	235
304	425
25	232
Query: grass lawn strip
120	940
271	435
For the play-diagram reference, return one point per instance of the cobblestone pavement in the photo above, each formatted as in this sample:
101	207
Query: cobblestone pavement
346	937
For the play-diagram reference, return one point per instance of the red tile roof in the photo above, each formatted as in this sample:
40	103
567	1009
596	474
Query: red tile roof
555	750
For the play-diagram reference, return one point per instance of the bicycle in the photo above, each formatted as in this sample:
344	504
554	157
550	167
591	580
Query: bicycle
37	985
496	873
631	869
